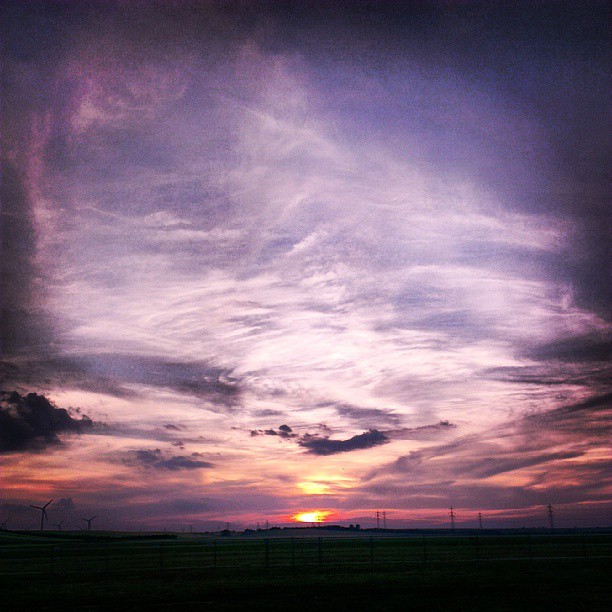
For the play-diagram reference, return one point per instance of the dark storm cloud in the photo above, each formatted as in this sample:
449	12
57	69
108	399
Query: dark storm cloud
32	422
318	445
155	459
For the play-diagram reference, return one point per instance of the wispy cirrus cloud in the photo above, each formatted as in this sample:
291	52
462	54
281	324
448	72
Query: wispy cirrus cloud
216	218
155	459
562	451
127	375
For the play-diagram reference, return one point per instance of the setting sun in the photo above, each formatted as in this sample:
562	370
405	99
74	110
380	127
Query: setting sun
317	516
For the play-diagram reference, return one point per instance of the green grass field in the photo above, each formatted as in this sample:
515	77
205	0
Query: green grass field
372	572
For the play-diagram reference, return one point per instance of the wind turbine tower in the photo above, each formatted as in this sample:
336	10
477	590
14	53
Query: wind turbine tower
43	513
551	516
452	518
88	521
59	525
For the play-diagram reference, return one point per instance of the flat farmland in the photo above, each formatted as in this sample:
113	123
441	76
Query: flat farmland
267	570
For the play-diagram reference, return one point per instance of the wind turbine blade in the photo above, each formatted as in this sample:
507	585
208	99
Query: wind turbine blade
47	503
37	507
92	518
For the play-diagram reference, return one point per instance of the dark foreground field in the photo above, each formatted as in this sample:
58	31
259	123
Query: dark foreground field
453	573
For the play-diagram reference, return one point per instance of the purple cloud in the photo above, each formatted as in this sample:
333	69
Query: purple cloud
318	445
31	422
155	459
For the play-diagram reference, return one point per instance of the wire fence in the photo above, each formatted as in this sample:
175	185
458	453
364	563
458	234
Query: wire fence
234	552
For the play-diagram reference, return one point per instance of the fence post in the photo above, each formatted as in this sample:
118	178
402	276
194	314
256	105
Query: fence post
214	553
161	555
320	547
424	550
584	548
293	552
106	557
477	545
371	550
52	559
267	552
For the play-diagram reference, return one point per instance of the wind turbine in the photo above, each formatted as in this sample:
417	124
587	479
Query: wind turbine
43	512
88	521
3	525
59	525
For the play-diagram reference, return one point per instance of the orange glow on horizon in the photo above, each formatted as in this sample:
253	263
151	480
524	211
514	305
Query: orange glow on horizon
315	516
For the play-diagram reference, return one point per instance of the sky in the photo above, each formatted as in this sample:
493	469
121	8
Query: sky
269	258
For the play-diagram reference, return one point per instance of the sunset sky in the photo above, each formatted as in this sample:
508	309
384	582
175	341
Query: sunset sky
286	257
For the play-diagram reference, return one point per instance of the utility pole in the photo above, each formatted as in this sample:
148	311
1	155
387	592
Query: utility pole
480	520
551	517
384	519
377	520
452	518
